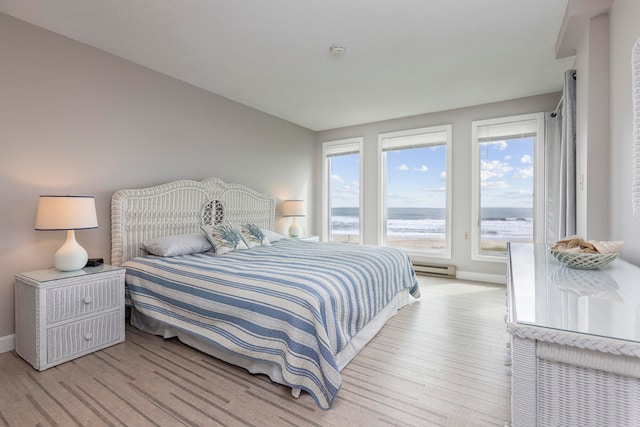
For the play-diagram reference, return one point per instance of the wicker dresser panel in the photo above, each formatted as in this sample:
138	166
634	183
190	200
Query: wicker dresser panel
74	339
574	396
92	296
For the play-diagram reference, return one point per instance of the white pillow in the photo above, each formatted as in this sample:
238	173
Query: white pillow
181	244
224	238
272	235
252	235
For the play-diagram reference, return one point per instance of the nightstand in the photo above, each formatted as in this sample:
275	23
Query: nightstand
64	315
310	238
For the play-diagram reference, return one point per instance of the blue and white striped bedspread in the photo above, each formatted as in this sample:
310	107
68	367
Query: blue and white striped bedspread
295	303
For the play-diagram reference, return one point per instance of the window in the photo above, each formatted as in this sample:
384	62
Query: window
416	190
341	192
507	184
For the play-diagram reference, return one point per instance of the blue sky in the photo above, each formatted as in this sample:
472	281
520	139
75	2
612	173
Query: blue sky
417	177
345	181
506	173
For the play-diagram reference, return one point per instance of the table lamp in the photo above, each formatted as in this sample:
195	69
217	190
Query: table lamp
294	208
67	213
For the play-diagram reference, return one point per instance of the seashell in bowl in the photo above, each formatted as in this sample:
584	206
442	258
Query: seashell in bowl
583	261
575	252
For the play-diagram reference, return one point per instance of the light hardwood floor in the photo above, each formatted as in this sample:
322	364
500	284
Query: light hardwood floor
438	362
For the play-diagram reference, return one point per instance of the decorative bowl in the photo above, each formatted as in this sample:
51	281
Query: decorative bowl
583	261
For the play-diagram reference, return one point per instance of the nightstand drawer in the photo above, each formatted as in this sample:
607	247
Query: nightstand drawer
74	339
68	302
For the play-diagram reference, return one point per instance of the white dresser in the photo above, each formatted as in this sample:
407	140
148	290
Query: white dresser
64	315
575	341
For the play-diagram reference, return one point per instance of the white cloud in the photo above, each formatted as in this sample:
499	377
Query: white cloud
443	175
423	168
403	167
356	184
486	175
493	169
336	178
507	157
495	185
523	173
500	145
526	159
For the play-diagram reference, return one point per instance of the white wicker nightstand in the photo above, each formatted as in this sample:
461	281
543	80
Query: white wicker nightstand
63	315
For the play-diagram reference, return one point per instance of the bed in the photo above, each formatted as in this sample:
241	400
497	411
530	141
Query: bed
295	310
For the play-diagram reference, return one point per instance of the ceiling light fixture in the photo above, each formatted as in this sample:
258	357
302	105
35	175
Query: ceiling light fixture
337	50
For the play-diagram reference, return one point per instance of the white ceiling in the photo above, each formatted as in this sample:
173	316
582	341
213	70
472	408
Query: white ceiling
402	57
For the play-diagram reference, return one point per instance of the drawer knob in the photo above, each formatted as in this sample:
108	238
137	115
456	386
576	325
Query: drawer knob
88	336
87	300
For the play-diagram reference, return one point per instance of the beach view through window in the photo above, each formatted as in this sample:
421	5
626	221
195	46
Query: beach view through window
506	193
344	198
416	197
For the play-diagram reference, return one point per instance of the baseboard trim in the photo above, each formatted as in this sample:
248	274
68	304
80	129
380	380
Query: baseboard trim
481	277
7	343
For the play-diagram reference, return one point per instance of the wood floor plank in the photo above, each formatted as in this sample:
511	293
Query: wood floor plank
439	362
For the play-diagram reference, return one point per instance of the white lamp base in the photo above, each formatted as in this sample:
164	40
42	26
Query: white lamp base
71	256
295	230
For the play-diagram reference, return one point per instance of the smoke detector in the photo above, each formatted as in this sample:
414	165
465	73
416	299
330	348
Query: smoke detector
337	50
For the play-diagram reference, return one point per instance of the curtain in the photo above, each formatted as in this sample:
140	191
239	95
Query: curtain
560	164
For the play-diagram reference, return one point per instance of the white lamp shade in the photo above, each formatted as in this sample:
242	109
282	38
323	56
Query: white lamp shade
293	208
66	213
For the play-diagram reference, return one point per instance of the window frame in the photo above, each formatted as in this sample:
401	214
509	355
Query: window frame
539	220
382	191
348	145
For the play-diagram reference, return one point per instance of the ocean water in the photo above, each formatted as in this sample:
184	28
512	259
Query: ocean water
497	223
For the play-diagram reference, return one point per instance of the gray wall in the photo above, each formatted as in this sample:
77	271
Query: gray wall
461	219
624	27
76	120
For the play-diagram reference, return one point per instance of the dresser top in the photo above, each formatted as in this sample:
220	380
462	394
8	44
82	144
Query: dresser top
544	293
53	274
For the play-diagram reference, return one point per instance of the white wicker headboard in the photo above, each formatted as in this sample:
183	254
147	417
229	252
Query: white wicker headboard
180	207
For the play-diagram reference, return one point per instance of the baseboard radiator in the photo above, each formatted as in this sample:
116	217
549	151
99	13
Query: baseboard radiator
434	270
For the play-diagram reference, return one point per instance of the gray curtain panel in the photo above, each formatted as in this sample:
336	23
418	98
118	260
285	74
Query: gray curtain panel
560	164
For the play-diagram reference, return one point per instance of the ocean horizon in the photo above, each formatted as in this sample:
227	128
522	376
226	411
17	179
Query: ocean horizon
496	223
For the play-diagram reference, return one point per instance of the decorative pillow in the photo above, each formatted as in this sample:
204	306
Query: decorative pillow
181	244
272	236
252	235
224	238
